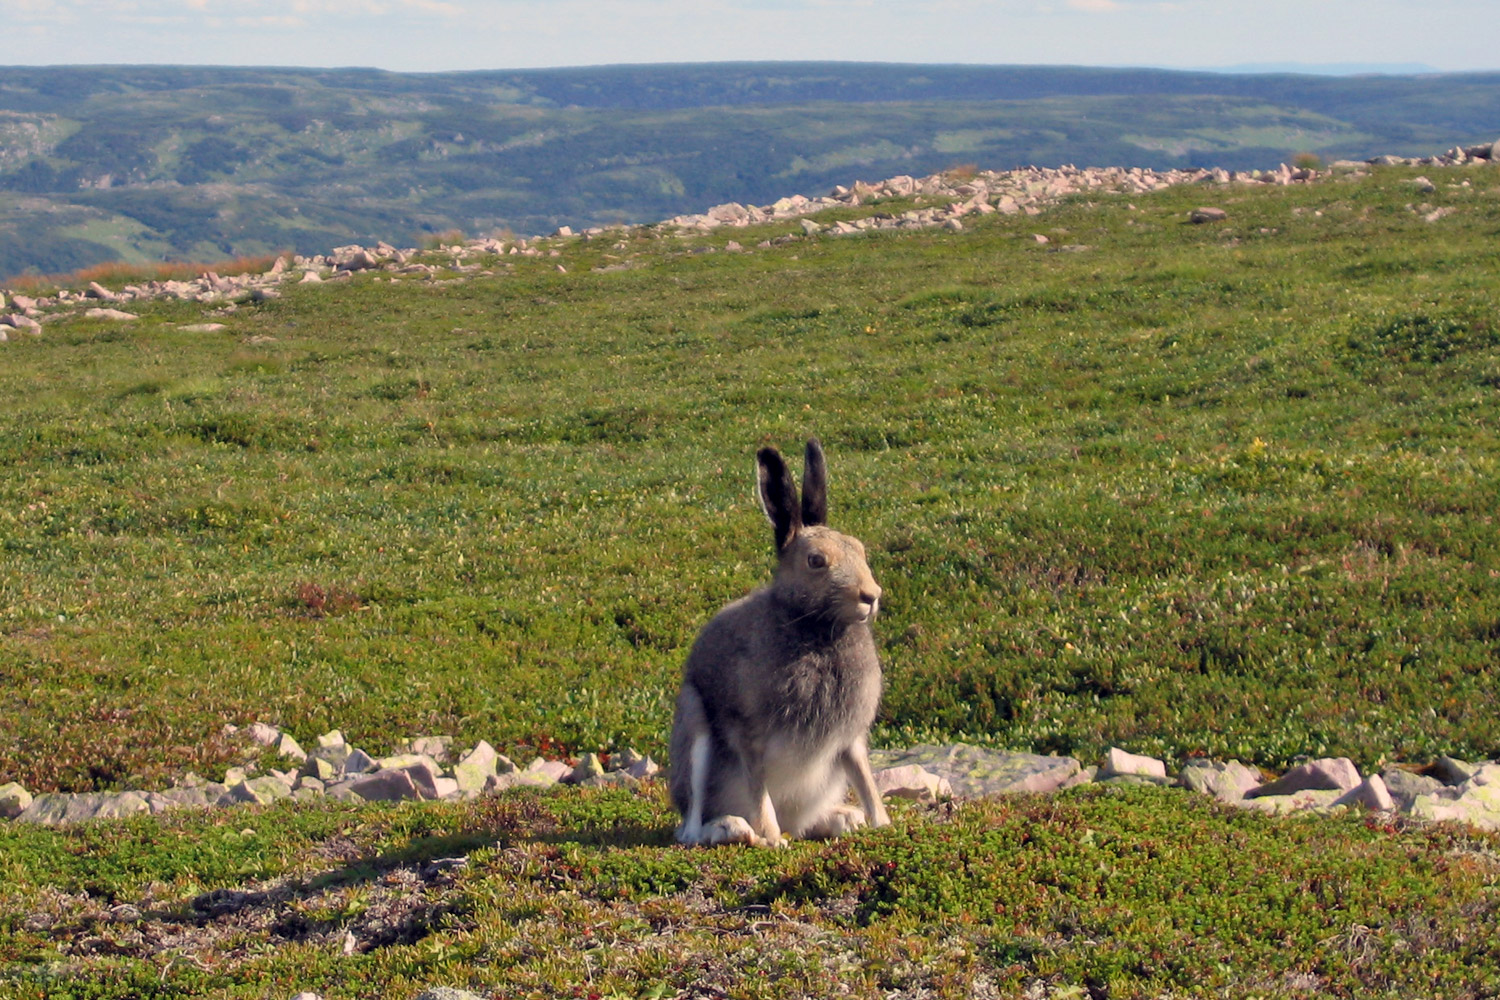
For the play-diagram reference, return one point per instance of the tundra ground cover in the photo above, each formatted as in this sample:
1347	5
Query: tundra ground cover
1222	490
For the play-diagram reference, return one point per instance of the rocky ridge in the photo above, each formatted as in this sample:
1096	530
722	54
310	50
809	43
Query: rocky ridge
943	200
426	769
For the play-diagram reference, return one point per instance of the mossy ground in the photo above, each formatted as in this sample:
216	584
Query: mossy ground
1223	490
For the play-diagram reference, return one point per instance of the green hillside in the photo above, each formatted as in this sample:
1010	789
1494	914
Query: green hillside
197	163
1221	490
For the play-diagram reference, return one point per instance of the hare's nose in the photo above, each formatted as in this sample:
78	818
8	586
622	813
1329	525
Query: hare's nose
870	597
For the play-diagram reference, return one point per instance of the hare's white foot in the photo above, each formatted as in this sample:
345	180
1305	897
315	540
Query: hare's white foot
732	830
840	820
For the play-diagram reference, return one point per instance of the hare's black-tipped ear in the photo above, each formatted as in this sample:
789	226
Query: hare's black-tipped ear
814	485
778	495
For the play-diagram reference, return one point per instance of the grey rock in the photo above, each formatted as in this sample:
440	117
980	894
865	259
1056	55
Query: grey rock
518	779
1201	215
264	734
59	808
1404	786
623	760
1336	773
288	747
359	762
381	786
260	791
1370	793
187	797
810	227
1227	782
310	278
1118	762
643	769
912	781
977	771
436	747
98	291
555	769
1306	800
1475	802
588	767
203	327
118	315
320	767
1452	771
1423	185
446	993
331	739
309	783
13	800
475	767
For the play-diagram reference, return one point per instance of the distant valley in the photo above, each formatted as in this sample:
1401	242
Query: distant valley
196	163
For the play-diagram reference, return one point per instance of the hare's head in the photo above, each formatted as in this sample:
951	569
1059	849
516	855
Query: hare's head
821	572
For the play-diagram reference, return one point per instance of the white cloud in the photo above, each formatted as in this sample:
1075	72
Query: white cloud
1095	6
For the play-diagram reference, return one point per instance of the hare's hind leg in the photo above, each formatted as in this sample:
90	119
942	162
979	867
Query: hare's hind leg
693	769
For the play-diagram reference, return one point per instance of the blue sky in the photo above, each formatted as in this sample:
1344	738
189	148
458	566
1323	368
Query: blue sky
436	35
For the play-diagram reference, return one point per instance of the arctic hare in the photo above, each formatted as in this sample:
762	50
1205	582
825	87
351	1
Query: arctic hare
781	686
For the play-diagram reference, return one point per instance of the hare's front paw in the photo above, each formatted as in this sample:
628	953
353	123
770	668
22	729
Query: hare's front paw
734	830
840	820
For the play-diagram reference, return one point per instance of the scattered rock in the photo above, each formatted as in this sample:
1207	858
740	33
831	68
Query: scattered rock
1118	762
912	781
13	800
1227	782
1201	215
98	291
260	791
118	315
587	769
203	327
1404	786
975	771
1370	793
436	747
446	993
1452	771
475	768
1329	773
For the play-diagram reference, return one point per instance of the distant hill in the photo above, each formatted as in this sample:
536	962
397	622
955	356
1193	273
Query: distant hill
200	163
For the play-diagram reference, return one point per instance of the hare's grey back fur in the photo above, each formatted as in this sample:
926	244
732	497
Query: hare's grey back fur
780	688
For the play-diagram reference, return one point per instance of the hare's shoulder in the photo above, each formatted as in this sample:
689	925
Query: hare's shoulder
739	630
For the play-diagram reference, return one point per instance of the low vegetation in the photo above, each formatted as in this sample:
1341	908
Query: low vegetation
1223	489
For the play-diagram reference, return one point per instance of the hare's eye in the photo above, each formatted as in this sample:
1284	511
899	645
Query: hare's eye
817	560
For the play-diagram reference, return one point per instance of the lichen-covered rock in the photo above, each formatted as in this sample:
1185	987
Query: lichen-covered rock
1476	801
288	747
1327	773
13	800
1404	786
436	747
1452	771
475	767
977	771
1117	762
1227	782
260	791
446	993
1304	800
1370	793
59	808
587	768
912	781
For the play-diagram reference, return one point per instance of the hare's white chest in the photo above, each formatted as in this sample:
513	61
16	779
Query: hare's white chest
802	781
